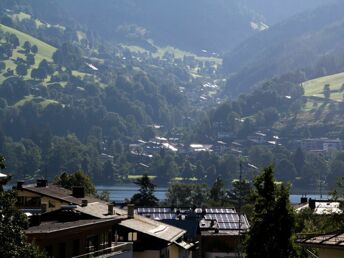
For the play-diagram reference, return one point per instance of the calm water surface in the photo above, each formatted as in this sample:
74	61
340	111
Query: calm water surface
122	192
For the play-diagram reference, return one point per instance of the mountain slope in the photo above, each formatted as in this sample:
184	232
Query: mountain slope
300	42
214	25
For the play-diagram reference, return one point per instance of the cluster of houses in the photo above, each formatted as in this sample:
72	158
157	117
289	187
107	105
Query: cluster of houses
69	223
144	151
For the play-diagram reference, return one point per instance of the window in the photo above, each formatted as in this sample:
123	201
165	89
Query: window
132	236
30	202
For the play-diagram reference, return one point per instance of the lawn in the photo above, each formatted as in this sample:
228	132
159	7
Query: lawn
315	87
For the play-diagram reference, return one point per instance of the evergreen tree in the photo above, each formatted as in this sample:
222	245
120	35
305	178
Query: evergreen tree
327	91
273	221
217	192
145	197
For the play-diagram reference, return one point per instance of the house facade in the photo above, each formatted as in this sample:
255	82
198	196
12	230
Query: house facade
68	223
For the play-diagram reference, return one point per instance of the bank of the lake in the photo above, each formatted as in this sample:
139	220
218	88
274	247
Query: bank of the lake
121	192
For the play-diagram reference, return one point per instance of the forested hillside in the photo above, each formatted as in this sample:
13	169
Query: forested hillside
116	96
215	26
61	108
310	40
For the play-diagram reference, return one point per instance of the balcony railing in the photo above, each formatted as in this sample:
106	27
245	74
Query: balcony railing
113	251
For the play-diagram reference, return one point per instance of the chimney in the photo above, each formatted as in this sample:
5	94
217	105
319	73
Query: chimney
42	183
20	185
78	191
304	200
110	209
311	203
131	208
84	203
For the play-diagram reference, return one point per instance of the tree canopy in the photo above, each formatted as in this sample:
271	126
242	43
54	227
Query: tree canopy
79	178
145	197
273	222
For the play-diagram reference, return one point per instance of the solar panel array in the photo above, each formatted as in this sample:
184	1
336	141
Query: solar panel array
153	210
228	221
219	210
225	218
162	216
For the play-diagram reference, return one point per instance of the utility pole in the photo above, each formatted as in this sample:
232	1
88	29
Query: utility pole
239	206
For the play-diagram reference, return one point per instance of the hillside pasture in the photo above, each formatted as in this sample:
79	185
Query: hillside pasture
315	87
45	51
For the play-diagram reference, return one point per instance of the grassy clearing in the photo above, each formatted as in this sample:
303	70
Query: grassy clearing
45	51
39	100
178	53
315	87
21	16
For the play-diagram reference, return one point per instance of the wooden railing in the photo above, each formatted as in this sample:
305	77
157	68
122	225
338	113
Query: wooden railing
118	248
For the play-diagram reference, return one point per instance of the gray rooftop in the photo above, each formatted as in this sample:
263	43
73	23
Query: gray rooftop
59	193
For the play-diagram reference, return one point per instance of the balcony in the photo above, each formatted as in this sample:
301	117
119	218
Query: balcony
119	250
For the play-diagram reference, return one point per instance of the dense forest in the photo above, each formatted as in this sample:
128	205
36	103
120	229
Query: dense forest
73	100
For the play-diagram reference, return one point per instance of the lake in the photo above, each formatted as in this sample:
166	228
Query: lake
120	192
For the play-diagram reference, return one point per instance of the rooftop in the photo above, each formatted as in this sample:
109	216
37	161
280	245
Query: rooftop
59	193
154	228
55	226
100	210
221	219
335	239
96	211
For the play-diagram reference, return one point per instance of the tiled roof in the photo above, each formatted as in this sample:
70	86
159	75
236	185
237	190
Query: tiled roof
100	210
335	239
59	193
55	226
154	228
